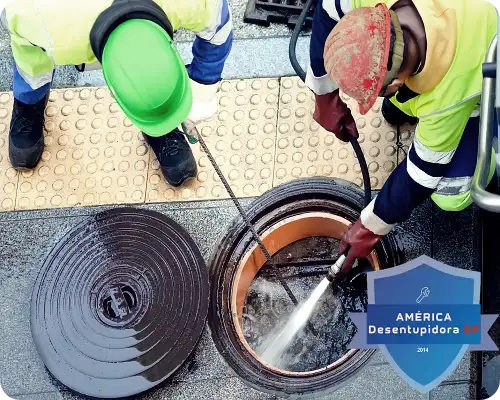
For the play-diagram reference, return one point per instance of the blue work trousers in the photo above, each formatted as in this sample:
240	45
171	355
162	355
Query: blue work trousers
24	93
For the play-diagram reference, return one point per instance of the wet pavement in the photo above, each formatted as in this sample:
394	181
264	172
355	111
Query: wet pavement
27	238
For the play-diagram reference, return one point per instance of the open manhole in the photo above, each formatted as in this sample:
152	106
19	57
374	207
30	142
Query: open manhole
120	303
300	223
267	307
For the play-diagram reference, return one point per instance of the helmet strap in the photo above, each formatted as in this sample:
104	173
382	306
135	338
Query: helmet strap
397	53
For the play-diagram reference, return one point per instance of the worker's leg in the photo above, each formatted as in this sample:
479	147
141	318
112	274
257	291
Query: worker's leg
24	92
453	191
26	128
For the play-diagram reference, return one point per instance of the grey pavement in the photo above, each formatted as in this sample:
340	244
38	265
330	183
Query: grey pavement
27	237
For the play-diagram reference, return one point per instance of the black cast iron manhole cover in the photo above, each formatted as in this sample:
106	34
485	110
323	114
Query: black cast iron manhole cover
265	12
120	303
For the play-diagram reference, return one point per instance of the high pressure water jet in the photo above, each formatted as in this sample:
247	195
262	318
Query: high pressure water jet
272	350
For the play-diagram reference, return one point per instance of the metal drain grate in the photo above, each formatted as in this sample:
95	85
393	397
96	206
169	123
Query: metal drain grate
265	12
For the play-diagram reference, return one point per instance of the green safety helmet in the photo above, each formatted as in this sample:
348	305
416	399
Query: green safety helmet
147	76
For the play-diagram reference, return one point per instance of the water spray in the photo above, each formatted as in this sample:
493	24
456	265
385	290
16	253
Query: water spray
272	350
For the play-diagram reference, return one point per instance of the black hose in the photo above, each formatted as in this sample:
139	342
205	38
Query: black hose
364	170
301	73
295	36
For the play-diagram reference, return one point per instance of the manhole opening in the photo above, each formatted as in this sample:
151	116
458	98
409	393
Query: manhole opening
303	264
303	247
109	306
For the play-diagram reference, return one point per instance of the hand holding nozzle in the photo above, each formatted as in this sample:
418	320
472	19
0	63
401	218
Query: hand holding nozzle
190	131
357	242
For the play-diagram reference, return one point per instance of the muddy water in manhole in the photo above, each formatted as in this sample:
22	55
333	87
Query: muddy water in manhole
303	264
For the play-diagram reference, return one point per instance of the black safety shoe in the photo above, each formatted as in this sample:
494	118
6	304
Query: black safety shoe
175	157
26	134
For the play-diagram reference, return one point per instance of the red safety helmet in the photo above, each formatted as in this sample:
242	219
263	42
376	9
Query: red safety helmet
357	51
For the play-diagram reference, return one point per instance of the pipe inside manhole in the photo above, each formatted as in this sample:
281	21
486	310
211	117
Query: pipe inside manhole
303	246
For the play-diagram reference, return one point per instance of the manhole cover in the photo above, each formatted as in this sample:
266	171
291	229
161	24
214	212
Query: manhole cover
265	12
120	303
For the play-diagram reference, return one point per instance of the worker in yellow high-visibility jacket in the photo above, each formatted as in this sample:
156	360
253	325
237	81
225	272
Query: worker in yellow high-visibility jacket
133	42
425	58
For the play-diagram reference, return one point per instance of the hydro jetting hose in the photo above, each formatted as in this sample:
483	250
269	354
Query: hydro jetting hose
301	73
194	136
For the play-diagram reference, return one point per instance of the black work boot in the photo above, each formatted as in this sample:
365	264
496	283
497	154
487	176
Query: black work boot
176	159
26	140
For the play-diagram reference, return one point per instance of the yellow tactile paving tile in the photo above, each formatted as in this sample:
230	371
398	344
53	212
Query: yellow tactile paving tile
241	138
8	175
93	154
305	149
263	135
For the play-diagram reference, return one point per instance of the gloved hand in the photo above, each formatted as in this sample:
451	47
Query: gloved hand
204	102
357	242
334	116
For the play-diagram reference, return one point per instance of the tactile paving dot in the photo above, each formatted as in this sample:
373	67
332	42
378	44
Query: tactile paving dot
8	175
242	138
304	149
87	142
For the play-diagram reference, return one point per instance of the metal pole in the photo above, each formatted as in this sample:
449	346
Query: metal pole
480	196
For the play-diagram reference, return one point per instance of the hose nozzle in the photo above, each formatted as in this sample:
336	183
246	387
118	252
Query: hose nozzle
335	268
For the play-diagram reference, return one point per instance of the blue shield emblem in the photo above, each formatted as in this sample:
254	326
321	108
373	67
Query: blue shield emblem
424	281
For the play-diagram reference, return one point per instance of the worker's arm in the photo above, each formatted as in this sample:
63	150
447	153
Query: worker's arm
417	177
414	180
212	46
210	51
326	16
330	111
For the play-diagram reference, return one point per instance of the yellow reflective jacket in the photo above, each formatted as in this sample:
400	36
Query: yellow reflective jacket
46	33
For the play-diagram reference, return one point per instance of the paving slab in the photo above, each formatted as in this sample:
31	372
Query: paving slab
242	30
95	156
40	396
242	140
249	58
377	383
454	239
206	373
462	391
304	149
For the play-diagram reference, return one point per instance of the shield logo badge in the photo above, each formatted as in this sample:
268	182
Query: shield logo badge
424	281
